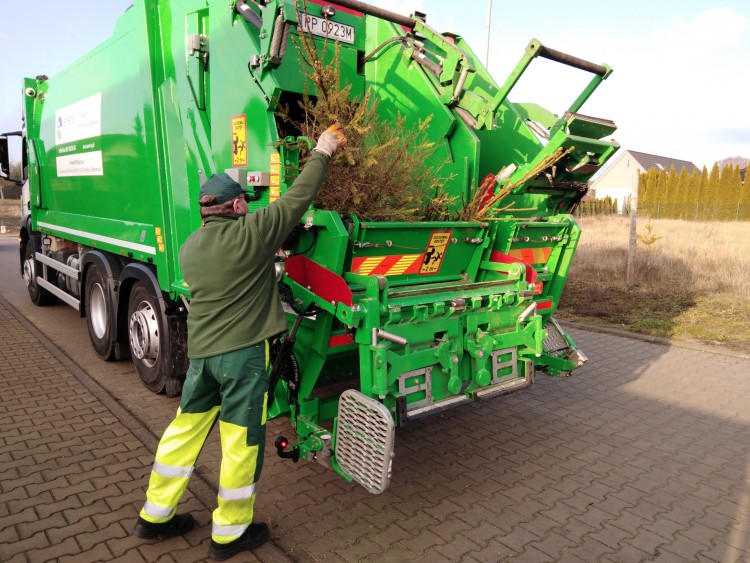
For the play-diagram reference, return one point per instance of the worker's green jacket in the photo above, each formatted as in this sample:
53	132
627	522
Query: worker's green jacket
228	265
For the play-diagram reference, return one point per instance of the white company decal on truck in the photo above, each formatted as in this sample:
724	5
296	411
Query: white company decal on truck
76	122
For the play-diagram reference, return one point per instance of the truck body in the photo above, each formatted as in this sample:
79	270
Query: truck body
390	321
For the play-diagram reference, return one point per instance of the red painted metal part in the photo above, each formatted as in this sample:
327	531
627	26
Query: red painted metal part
503	258
318	279
487	187
340	340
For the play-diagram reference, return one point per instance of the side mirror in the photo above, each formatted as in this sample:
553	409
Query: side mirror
4	157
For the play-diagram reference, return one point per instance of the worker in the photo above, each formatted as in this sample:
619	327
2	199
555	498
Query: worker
234	310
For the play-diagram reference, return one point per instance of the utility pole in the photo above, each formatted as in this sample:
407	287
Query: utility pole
489	21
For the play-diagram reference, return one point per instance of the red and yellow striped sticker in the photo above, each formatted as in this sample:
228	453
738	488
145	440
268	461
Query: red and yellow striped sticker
394	265
531	255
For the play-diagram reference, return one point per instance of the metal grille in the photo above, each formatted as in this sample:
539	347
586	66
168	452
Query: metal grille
364	440
555	343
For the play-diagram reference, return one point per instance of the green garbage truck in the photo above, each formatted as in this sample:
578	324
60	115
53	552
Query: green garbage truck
390	321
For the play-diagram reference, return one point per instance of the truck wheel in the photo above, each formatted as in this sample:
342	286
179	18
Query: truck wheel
145	336
99	314
31	269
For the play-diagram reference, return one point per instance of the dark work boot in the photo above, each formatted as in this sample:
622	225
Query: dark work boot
255	536
177	526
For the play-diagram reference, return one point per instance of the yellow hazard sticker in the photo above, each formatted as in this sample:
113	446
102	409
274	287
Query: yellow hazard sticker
275	189
433	256
239	140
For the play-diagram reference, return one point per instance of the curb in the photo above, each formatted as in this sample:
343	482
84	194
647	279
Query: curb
686	344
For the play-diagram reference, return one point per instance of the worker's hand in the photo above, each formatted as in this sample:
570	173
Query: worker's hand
331	140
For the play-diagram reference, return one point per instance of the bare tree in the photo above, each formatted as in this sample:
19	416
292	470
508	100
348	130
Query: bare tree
732	161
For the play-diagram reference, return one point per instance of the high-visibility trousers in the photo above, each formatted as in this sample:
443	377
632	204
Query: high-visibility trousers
232	387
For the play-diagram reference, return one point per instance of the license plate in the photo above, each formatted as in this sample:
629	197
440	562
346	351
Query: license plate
327	28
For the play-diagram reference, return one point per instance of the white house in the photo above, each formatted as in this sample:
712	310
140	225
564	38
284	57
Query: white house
616	179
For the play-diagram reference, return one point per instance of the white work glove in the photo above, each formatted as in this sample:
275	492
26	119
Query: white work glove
331	140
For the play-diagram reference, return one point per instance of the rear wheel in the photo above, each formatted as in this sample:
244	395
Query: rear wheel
31	269
99	314
147	337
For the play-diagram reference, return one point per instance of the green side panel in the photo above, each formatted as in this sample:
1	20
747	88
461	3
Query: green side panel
99	131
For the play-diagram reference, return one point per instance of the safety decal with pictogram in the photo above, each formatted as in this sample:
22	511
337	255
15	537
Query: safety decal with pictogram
433	256
239	140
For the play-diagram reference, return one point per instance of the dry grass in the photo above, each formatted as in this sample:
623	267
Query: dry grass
691	282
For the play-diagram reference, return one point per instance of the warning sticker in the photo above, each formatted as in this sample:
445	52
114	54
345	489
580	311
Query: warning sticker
275	188
433	256
393	265
239	140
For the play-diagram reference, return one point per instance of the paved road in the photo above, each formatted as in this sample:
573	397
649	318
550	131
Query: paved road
643	455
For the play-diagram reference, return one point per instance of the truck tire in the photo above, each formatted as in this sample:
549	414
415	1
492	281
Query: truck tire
31	269
146	336
99	314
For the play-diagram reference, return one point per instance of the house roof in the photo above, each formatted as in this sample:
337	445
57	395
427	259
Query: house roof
649	161
645	161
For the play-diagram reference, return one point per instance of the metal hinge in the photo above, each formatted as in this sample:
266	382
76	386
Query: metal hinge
199	48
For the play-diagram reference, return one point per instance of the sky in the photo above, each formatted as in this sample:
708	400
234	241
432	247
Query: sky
680	86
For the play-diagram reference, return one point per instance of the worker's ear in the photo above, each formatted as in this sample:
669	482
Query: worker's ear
236	205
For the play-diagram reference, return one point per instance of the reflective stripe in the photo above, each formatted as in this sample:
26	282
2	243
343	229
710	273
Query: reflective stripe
237	494
172	470
157	511
110	240
228	531
264	418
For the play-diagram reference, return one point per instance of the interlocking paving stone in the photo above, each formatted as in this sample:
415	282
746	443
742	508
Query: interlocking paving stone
644	453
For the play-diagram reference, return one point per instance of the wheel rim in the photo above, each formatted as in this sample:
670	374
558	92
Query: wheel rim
98	311
28	272
144	334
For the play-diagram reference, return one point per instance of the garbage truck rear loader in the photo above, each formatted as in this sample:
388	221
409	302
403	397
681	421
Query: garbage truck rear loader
389	321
